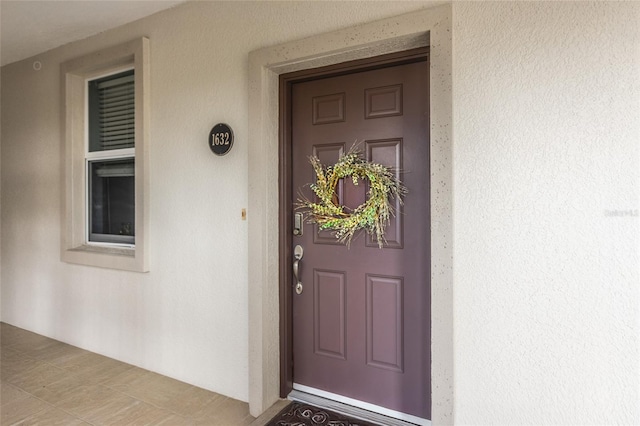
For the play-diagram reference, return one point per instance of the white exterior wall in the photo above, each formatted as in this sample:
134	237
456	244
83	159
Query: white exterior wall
188	317
546	144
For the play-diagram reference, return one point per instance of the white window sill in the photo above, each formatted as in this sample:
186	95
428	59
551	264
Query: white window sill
123	258
113	251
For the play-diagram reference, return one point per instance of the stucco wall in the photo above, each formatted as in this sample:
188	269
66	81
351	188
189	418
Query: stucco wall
546	129
0	199
187	318
546	147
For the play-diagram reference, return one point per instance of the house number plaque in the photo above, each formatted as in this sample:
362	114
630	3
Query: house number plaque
221	139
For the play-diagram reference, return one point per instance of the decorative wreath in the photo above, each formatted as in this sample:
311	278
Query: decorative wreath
373	215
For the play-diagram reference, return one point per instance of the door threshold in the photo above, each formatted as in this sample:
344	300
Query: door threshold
344	405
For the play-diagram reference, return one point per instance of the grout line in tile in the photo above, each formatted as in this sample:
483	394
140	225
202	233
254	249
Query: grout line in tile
17	343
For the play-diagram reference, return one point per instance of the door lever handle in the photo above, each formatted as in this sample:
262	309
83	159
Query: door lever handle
298	252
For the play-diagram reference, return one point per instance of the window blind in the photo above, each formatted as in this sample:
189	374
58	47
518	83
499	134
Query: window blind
116	169
115	113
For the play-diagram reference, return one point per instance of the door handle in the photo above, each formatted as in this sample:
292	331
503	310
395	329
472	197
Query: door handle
298	252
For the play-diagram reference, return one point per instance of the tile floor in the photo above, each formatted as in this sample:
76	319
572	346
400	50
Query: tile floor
47	382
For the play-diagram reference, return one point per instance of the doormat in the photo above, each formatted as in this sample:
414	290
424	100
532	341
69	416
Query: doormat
299	414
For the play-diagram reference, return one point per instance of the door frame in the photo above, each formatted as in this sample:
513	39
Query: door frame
286	82
432	27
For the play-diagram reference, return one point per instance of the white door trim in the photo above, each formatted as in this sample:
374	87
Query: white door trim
426	27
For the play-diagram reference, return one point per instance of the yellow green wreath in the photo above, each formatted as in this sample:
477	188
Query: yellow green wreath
373	215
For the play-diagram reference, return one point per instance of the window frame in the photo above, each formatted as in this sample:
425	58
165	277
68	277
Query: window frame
103	155
117	240
75	75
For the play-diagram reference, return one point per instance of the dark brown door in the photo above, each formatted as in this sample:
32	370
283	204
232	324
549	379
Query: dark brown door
361	326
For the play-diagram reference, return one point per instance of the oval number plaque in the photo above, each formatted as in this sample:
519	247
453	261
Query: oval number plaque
220	139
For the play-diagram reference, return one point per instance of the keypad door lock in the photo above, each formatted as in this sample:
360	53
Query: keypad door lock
298	224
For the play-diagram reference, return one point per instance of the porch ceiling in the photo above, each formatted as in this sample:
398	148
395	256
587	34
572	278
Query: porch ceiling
28	28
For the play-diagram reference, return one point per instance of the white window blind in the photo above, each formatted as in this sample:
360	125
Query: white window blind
112	111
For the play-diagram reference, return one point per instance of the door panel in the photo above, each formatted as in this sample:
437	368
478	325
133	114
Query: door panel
384	323
361	326
329	314
328	154
388	152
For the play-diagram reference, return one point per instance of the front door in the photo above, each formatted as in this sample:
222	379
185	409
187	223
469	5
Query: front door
361	325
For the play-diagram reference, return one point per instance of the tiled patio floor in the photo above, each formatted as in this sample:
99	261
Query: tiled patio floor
44	381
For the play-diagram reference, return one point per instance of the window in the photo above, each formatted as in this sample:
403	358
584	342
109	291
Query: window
106	158
111	201
111	159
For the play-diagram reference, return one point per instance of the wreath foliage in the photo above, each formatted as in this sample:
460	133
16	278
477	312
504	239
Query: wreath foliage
373	215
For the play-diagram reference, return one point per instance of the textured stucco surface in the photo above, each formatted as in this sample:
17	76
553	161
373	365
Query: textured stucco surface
546	145
188	317
546	131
